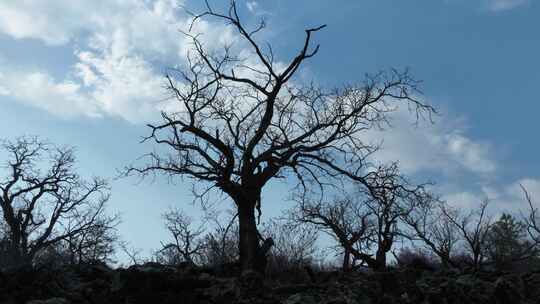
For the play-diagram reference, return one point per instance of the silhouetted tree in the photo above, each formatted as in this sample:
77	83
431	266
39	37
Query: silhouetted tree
43	200
370	221
473	228
532	219
416	258
433	229
294	245
96	244
187	244
242	120
508	243
221	244
133	253
390	199
4	245
345	221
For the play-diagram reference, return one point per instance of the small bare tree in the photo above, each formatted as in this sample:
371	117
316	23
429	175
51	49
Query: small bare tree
187	242
371	220
98	243
342	219
433	228
242	120
221	244
43	200
294	245
390	198
532	219
474	228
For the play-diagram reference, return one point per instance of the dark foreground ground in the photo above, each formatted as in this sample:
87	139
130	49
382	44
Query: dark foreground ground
153	283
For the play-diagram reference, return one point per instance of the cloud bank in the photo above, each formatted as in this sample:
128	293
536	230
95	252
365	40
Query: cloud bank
122	50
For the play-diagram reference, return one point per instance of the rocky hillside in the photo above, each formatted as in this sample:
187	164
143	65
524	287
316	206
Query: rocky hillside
154	283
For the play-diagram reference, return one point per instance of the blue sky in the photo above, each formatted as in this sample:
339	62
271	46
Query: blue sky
89	74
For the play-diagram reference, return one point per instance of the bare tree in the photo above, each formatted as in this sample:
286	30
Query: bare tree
43	200
187	242
532	219
221	244
434	229
474	228
345	221
370	221
134	254
390	198
416	257
96	244
242	120
294	245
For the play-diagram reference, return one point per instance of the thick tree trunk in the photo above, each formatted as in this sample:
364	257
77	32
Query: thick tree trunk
17	257
250	256
380	259
346	260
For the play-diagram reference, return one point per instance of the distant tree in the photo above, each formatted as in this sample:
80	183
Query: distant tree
507	242
134	254
416	257
243	120
221	243
98	243
43	200
187	244
532	219
345	221
473	228
372	220
434	230
390	199
294	245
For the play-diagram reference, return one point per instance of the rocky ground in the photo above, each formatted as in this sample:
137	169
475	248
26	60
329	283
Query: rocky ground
153	283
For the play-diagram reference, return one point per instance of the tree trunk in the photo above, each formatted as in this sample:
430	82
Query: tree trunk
249	241
380	259
17	258
346	260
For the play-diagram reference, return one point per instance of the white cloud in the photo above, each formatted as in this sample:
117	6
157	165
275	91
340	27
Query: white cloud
39	89
122	47
495	5
57	22
503	5
443	146
126	86
252	6
532	185
511	198
464	200
507	197
469	154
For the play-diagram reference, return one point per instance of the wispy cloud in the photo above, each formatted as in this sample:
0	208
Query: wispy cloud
39	89
121	48
252	6
495	5
503	5
443	147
